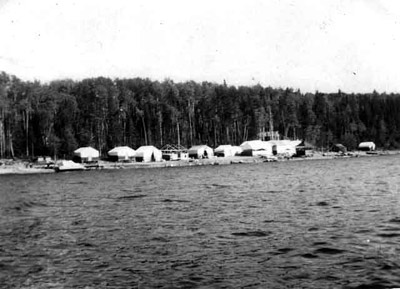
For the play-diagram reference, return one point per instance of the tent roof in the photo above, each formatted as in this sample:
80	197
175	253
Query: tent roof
122	150
86	150
256	145
222	147
367	143
146	148
285	142
197	147
237	148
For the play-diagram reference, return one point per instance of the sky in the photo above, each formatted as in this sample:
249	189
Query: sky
351	45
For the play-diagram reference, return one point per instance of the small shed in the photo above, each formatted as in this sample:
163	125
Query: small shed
148	154
122	153
174	152
256	148
200	152
304	149
366	146
86	155
339	148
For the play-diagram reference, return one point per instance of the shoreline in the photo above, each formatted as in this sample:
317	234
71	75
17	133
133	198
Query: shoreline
20	168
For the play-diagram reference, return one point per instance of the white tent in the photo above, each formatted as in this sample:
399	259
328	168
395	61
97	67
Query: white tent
224	151
200	151
86	154
148	154
256	148
284	147
227	151
366	146
236	150
122	153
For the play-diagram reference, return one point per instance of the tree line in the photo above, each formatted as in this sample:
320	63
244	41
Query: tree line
56	118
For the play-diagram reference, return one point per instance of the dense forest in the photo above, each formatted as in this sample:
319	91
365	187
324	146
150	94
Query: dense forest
56	118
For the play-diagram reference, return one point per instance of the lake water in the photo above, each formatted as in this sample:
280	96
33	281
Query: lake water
300	224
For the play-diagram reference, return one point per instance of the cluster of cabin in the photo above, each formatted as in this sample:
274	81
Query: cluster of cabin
286	148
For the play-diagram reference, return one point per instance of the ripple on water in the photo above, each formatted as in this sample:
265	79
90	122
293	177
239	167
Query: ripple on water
132	197
319	224
322	204
329	251
283	251
174	201
252	234
388	235
309	256
313	229
395	220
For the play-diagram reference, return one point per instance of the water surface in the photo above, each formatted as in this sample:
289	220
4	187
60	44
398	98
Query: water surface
300	224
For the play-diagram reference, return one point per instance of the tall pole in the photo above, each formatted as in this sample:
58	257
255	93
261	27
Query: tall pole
179	137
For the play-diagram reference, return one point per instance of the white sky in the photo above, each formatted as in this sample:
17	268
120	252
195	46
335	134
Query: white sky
352	45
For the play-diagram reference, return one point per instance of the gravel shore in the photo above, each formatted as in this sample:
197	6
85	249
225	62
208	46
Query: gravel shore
21	167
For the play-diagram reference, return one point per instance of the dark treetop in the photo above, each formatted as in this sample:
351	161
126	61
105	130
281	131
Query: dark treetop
58	117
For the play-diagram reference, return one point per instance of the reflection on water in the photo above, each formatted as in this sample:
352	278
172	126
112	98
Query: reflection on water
310	224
